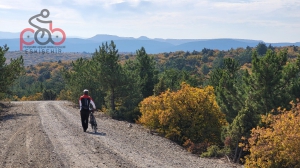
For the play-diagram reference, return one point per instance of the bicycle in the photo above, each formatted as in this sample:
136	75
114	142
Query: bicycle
93	121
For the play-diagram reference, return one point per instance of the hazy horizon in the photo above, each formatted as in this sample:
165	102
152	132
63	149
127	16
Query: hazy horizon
17	33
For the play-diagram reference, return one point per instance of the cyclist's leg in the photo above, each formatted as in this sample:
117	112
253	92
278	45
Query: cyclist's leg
86	116
84	119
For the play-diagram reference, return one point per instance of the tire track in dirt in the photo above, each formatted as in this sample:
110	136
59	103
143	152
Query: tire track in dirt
76	148
24	142
12	157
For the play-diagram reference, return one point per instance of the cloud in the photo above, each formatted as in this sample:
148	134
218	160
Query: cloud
159	17
131	5
21	4
5	7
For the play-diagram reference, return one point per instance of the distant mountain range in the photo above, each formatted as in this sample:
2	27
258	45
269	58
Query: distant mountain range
130	44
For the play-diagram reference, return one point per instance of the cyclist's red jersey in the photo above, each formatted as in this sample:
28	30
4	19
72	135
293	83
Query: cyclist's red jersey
85	101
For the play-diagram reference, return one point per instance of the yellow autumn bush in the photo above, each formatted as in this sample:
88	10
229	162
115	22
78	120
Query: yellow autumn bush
187	114
35	97
64	95
277	144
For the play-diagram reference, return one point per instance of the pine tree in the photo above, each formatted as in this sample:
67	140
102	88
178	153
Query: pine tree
145	67
84	75
110	71
205	69
261	48
272	81
130	93
9	72
227	82
243	97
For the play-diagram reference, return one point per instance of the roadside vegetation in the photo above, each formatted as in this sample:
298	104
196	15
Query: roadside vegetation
240	104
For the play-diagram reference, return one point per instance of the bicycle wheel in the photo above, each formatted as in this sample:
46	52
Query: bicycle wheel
93	123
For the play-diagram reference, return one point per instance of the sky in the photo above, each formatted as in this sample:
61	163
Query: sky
267	20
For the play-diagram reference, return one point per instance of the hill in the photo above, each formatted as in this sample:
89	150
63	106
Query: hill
153	46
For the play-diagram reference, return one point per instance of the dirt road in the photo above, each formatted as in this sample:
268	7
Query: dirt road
49	134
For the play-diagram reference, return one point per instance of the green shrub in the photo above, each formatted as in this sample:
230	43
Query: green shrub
215	151
212	151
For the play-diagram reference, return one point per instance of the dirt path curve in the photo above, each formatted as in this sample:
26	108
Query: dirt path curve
49	134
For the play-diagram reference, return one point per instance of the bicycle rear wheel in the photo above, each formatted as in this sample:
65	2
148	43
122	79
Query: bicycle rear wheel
93	123
95	128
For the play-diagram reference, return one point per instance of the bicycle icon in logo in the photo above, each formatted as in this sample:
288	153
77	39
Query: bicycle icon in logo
42	32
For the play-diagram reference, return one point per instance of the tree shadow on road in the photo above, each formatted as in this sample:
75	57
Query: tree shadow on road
3	107
97	133
6	117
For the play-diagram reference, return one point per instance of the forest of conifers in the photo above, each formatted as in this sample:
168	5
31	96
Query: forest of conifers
241	103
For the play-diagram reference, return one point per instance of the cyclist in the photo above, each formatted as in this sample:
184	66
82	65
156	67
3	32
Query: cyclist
84	102
44	13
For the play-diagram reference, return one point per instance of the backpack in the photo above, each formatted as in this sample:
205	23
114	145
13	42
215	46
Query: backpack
85	103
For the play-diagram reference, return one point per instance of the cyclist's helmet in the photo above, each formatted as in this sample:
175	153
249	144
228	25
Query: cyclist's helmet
85	91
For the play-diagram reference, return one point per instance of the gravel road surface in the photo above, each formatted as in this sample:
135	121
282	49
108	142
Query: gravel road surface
49	134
